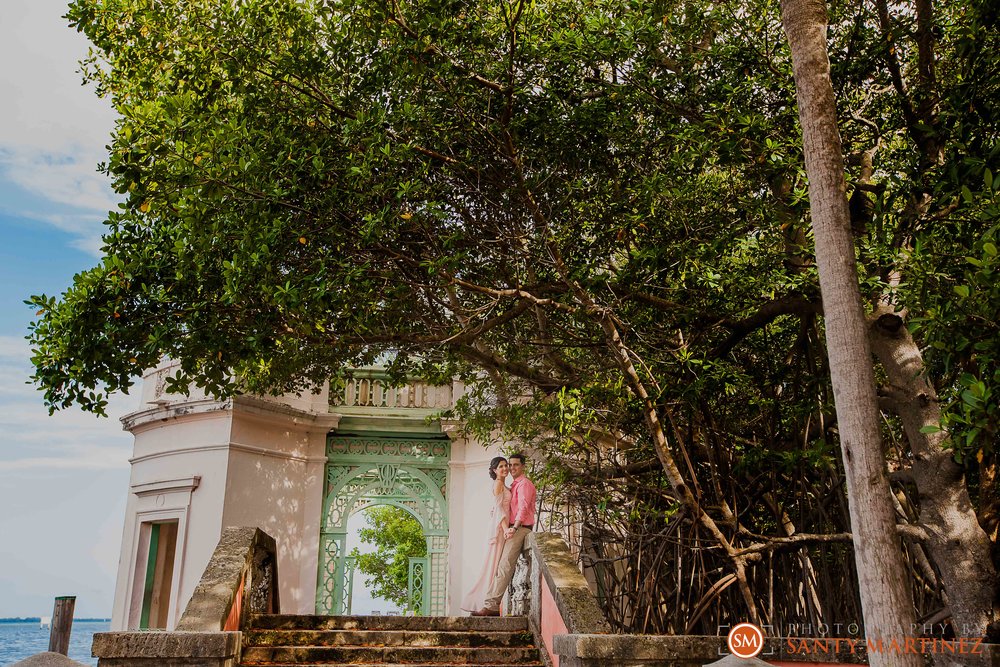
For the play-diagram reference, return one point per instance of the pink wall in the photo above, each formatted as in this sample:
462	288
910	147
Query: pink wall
236	612
796	664
551	620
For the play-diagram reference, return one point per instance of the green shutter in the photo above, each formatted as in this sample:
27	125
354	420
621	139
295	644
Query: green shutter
147	592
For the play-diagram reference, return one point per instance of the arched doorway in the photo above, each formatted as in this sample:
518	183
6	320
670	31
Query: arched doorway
390	469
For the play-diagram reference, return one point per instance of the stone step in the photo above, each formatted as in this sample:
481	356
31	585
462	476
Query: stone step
313	655
417	623
394	664
420	638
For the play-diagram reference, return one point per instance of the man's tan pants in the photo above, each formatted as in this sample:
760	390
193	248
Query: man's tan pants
505	569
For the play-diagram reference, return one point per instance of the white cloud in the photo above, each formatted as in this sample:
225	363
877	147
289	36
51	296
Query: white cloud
13	348
45	106
110	459
107	543
85	226
67	440
52	129
90	244
65	532
63	478
69	178
69	470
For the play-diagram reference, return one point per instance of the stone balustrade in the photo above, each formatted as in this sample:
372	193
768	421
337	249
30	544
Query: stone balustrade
373	391
241	579
550	590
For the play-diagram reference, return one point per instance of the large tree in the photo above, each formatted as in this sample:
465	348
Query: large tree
885	593
600	206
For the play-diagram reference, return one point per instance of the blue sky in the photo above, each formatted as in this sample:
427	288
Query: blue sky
63	479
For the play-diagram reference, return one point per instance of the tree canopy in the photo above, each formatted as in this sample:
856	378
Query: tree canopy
595	208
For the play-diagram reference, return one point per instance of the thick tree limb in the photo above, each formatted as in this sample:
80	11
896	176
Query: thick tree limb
516	368
397	18
767	313
956	542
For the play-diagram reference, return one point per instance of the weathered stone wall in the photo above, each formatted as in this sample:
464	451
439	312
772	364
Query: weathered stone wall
240	579
595	650
167	649
560	598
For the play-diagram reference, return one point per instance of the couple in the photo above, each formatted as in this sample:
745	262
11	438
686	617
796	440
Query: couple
511	519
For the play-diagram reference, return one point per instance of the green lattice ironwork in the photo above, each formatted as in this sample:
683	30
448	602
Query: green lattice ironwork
350	567
417	592
362	471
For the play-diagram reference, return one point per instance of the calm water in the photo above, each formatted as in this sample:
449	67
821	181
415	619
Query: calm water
20	640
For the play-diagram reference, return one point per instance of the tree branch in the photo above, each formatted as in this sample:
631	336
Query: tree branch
740	329
775	543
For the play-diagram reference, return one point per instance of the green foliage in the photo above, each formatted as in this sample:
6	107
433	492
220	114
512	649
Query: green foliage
308	183
963	333
397	537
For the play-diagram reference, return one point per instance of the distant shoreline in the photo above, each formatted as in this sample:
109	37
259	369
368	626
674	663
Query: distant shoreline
37	619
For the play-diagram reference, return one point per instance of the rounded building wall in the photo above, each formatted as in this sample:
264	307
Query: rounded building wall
173	479
275	482
205	465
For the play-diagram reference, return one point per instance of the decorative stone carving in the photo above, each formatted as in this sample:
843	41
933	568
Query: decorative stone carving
519	593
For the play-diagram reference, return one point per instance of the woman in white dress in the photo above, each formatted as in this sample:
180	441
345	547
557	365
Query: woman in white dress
499	520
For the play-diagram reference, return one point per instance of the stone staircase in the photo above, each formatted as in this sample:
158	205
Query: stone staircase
389	641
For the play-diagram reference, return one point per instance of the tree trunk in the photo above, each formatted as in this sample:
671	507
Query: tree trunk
957	543
885	593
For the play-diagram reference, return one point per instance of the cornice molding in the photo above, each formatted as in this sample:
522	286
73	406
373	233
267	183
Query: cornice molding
453	429
188	484
263	451
254	407
246	406
178	451
137	422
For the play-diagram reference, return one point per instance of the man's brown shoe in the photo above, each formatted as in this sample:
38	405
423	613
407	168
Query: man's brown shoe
486	612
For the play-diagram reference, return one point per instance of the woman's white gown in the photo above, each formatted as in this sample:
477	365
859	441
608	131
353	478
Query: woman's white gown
475	599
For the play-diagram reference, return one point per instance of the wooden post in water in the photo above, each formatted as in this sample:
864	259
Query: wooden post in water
62	624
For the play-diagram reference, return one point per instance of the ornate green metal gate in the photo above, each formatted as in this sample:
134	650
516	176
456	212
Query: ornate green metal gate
410	473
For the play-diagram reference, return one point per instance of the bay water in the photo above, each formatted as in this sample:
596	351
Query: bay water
21	640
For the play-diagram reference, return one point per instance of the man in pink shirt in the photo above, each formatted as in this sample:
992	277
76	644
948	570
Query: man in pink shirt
522	520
